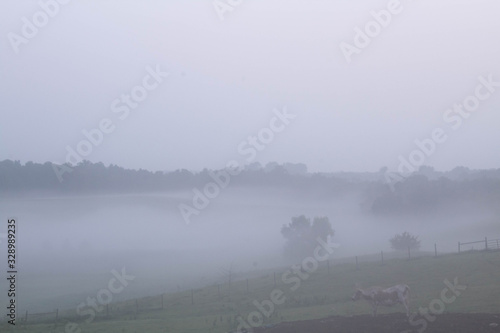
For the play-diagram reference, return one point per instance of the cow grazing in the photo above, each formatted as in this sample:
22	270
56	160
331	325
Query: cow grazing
387	297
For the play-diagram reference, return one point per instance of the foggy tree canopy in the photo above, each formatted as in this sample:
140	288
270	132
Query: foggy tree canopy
404	241
423	191
301	235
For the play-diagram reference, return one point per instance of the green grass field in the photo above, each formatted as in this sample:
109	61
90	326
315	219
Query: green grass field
321	294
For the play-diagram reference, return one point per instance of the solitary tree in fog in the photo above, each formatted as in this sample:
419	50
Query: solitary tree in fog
301	235
404	241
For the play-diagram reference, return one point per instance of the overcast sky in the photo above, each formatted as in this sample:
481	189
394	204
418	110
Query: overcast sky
227	76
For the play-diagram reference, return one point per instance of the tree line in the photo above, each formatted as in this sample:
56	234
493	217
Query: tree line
423	191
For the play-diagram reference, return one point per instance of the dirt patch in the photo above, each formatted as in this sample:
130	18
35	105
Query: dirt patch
397	323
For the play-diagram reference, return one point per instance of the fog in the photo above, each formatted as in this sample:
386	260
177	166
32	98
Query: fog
270	82
63	239
226	77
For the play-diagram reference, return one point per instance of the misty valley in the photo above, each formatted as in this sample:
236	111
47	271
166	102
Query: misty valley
235	166
72	235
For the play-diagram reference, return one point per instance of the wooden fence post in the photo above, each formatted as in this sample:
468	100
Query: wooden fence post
435	250
458	247
26	316
486	243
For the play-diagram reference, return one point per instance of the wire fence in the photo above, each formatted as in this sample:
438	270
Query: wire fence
225	290
486	244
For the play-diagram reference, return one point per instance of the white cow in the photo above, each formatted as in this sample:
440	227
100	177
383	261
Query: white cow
388	297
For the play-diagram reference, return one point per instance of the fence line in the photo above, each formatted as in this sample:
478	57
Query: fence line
223	290
134	306
492	244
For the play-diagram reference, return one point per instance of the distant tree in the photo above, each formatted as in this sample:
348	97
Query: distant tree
383	170
405	240
295	168
255	166
426	170
459	173
301	235
271	166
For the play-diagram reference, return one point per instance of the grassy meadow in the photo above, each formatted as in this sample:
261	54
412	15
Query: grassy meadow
322	293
